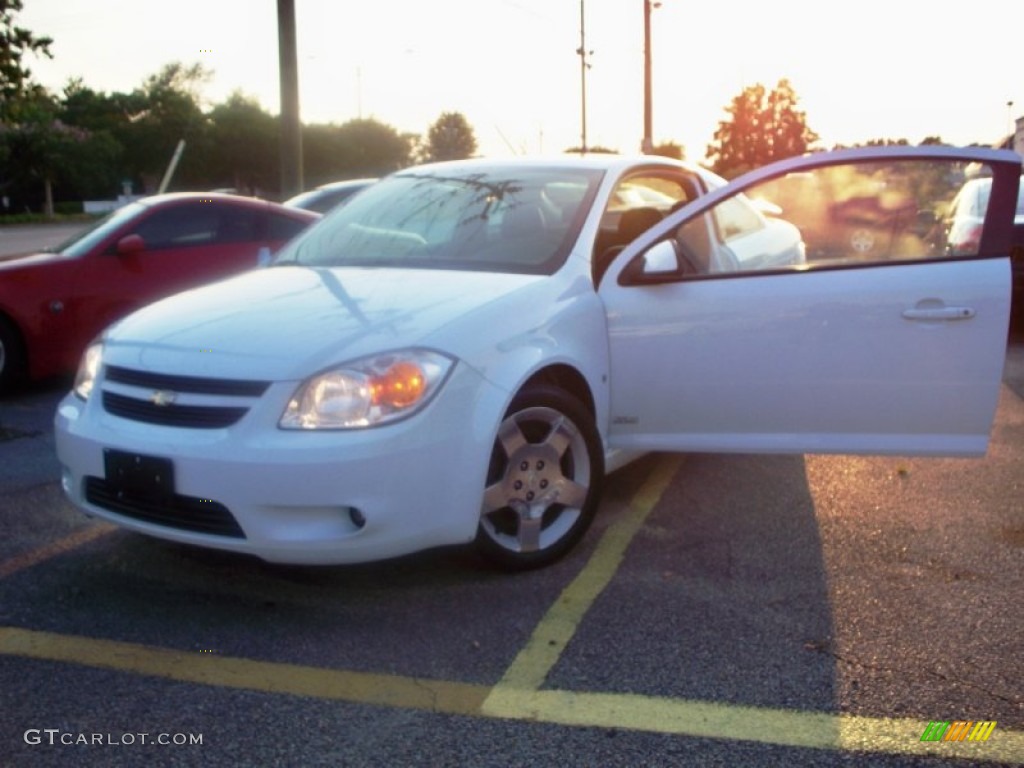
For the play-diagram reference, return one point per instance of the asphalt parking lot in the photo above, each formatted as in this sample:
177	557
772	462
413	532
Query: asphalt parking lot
724	610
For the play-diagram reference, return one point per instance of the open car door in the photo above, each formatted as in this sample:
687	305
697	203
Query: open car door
817	305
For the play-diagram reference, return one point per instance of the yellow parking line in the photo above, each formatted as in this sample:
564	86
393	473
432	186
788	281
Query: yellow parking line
59	547
233	672
555	630
702	719
712	720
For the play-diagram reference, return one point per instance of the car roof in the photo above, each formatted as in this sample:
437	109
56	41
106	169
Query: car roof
598	161
345	184
170	198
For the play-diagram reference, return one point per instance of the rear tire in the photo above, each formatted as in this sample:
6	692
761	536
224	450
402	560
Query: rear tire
543	482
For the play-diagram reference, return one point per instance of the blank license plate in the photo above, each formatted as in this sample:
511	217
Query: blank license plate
138	475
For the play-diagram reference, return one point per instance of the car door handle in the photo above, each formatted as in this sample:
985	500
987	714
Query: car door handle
939	313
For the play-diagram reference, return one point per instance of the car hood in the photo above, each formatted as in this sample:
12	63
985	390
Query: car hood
285	323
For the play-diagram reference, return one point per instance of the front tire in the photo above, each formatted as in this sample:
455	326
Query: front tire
543	482
12	357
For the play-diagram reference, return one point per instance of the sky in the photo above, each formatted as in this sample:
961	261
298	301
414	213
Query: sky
894	69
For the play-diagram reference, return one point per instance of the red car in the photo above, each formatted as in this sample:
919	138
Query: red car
53	303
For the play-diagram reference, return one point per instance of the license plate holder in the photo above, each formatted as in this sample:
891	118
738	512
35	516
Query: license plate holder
134	474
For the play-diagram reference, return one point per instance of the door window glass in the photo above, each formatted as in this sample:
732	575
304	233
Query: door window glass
196	224
852	214
280	227
180	226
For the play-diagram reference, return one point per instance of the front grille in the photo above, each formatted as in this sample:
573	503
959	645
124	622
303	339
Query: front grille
172	415
197	384
185	513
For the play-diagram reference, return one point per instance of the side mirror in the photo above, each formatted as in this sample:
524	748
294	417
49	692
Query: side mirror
665	261
130	244
662	258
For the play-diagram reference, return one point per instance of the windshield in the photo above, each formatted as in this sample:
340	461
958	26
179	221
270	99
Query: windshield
85	240
501	219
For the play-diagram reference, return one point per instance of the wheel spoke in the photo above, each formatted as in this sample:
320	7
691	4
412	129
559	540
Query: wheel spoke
495	497
529	530
561	436
571	493
511	437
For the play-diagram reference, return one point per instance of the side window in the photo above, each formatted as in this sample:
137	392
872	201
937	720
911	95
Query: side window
736	218
637	204
280	227
852	214
236	225
182	226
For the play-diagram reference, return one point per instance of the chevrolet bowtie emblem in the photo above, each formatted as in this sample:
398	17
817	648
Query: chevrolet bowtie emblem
163	397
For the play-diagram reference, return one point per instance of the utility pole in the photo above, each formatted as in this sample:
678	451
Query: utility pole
291	126
647	143
584	66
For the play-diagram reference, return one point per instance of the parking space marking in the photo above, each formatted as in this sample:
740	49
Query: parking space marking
700	719
555	630
58	547
234	672
733	722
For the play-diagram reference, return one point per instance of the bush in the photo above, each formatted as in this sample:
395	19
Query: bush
68	208
38	218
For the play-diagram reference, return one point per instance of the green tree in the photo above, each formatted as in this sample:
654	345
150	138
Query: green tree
450	137
669	149
15	43
39	147
591	150
762	127
373	148
358	148
94	110
162	111
243	146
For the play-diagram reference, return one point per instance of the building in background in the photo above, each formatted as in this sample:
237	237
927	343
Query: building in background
1015	140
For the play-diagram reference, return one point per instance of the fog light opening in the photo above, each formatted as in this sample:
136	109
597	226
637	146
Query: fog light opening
357	517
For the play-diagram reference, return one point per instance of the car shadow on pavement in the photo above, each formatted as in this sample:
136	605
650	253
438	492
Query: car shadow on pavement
723	596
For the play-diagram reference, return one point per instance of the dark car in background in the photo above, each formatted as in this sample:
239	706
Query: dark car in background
54	302
328	196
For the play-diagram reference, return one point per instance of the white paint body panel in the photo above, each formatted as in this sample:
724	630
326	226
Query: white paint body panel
810	362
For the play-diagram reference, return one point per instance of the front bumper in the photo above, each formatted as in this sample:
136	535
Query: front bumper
301	497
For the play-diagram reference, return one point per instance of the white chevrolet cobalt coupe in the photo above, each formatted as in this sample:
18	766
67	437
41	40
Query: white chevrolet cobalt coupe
462	352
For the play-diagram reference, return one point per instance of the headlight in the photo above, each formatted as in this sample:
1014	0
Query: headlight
367	392
88	368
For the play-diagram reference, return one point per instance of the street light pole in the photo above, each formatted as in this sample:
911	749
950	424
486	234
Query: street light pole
647	144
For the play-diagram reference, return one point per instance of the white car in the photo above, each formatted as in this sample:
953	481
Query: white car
463	351
963	224
326	197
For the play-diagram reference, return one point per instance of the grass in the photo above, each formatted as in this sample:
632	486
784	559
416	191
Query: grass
40	218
